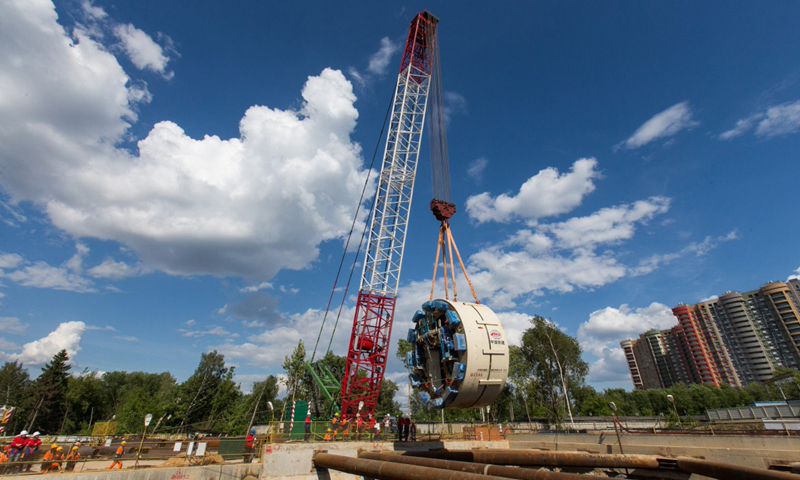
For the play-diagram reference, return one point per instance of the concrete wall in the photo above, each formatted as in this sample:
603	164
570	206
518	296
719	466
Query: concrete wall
208	472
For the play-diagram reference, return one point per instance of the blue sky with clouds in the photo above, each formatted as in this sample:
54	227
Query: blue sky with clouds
180	176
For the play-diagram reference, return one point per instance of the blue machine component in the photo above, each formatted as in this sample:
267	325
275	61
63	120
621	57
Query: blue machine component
412	335
424	396
459	370
453	318
446	342
428	306
418	316
450	394
414	380
436	402
411	359
460	342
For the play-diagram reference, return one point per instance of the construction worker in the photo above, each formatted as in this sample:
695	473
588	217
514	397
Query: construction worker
73	455
4	459
18	449
31	446
249	446
327	436
59	459
49	456
335	424
118	456
307	426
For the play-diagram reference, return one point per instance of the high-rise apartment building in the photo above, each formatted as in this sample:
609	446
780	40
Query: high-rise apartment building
736	339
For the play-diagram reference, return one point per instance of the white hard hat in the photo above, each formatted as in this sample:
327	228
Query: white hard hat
35	434
24	432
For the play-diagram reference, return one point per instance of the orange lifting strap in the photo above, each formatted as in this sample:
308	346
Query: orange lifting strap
445	247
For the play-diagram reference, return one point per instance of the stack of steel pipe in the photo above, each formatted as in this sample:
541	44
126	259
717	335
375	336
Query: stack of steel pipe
477	465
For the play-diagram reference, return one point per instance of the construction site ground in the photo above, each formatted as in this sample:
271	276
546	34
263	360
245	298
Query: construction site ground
293	461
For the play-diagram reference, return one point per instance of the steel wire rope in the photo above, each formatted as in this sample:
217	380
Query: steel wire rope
349	236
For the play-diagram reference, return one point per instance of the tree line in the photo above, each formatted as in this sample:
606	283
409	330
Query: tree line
59	401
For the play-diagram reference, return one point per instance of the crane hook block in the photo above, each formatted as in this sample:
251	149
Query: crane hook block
459	355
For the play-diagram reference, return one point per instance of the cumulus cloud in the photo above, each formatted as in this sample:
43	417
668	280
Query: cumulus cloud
545	194
664	124
796	275
67	336
143	51
11	260
601	334
609	326
249	205
607	225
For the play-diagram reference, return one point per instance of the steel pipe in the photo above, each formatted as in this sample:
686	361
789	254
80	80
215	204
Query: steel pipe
729	471
480	468
548	459
388	470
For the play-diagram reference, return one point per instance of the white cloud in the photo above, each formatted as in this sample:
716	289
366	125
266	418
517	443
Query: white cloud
75	263
213	330
113	269
453	103
741	126
607	225
796	276
12	325
664	124
127	338
251	205
11	260
255	288
476	168
780	120
609	326
777	120
143	51
379	61
42	275
67	336
611	367
648	264
545	194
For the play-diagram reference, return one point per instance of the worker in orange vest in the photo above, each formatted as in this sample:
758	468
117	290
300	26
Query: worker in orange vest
118	456
249	446
73	455
49	456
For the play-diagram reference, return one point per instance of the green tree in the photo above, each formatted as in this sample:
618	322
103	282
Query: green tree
386	402
553	360
87	401
205	398
14	385
47	402
295	367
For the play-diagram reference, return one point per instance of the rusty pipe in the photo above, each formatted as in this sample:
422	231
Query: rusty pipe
729	471
546	459
388	470
480	468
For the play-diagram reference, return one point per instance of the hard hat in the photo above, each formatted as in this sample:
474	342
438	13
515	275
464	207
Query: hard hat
60	448
329	429
123	442
252	430
75	448
24	432
35	434
336	414
55	445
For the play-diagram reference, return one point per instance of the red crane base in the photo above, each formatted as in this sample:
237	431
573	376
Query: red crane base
366	357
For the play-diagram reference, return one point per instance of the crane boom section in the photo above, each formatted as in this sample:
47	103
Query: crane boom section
372	323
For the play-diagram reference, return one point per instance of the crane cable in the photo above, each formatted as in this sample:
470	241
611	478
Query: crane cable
347	244
440	173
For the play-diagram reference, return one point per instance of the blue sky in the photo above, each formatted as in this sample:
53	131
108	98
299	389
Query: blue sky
180	176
